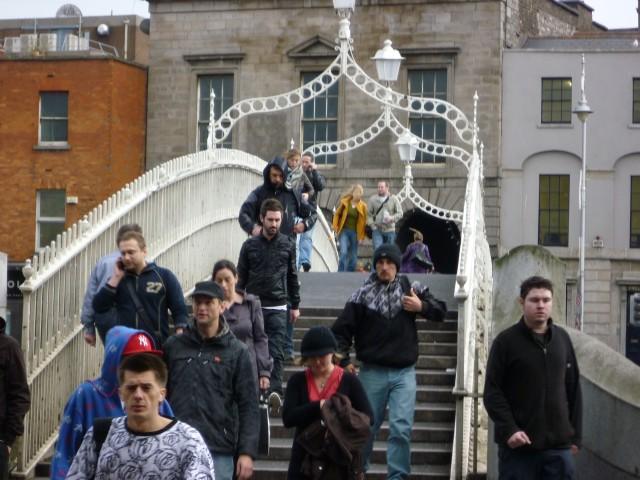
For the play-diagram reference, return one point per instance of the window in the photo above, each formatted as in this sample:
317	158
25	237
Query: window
553	211
636	100
223	88
320	118
634	241
53	118
50	216
432	84
556	100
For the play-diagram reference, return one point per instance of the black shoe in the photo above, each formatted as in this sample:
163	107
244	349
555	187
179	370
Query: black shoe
306	266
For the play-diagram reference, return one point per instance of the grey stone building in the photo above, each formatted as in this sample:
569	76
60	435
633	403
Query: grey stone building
541	169
250	48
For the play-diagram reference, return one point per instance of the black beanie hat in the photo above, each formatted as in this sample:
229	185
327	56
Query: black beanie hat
389	251
318	341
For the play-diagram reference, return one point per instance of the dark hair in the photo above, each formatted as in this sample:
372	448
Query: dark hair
223	264
310	155
128	227
133	235
143	362
270	205
535	282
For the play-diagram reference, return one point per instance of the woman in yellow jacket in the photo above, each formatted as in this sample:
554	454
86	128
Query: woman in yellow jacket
349	222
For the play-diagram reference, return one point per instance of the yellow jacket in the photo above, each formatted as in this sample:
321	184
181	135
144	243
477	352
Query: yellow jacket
341	216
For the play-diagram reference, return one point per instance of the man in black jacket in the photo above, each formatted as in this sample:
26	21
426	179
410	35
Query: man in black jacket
532	392
15	398
267	269
212	386
381	318
297	216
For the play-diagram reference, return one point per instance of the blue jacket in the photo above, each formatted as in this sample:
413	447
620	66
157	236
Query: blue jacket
158	290
93	399
99	277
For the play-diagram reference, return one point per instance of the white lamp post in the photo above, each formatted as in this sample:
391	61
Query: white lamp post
388	61
583	111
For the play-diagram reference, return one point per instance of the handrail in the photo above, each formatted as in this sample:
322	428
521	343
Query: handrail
188	208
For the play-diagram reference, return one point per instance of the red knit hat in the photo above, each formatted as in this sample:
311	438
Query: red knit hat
140	343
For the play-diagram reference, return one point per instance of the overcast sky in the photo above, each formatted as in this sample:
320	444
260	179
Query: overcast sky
611	13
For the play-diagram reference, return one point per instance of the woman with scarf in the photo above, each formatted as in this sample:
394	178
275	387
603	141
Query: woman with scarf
308	390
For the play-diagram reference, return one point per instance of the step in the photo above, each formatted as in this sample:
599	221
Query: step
430	376
277	470
427	336
421	432
424	348
421	452
307	320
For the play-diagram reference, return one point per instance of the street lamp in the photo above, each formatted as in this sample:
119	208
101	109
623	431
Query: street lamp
583	111
388	61
407	146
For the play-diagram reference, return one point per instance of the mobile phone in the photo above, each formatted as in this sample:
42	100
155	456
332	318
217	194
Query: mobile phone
405	284
120	264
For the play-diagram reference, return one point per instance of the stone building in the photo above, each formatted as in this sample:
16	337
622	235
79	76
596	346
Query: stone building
253	48
541	169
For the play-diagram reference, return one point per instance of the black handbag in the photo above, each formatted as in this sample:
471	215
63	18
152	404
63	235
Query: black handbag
368	231
420	259
264	438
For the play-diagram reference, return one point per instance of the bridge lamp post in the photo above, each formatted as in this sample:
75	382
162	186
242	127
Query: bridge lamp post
583	111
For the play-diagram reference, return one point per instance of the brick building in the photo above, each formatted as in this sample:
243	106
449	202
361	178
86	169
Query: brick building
253	48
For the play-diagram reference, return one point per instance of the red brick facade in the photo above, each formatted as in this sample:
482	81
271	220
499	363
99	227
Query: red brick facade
106	139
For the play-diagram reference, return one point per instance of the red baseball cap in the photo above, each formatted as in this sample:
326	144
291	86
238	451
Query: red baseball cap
140	343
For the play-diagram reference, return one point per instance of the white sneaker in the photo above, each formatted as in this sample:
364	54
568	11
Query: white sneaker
275	404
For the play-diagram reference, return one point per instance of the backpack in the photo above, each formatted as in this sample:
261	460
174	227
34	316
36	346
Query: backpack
101	427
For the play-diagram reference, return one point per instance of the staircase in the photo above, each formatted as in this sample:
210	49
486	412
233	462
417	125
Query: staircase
432	433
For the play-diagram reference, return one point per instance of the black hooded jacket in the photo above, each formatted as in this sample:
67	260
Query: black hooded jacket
15	398
291	201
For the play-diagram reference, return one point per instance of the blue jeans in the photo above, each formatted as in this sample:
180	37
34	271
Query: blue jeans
552	464
378	238
395	387
275	326
223	466
348	250
305	246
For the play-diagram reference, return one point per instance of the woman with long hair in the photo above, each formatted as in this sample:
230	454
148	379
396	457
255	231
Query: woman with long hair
244	316
416	257
349	222
309	390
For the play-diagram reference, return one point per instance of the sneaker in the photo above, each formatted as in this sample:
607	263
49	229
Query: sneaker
275	404
306	266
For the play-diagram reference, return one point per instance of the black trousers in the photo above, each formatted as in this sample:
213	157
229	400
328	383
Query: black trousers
4	461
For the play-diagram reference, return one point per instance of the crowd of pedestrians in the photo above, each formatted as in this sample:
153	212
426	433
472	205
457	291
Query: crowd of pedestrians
178	397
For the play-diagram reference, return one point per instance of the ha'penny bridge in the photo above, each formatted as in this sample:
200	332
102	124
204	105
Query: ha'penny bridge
188	208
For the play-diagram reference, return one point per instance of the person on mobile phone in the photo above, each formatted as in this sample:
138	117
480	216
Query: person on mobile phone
381	318
100	323
142	292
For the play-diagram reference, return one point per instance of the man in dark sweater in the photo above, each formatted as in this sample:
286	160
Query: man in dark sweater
381	318
15	398
267	269
532	392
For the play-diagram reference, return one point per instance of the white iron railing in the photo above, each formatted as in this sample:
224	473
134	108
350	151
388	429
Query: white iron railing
188	209
473	293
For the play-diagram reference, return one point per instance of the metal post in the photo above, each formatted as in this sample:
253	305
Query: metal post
582	111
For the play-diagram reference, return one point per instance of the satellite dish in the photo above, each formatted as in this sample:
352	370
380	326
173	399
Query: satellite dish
103	29
68	10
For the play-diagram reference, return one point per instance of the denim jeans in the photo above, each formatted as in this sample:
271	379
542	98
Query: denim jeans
552	464
288	343
348	250
223	466
378	238
275	326
395	387
305	246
